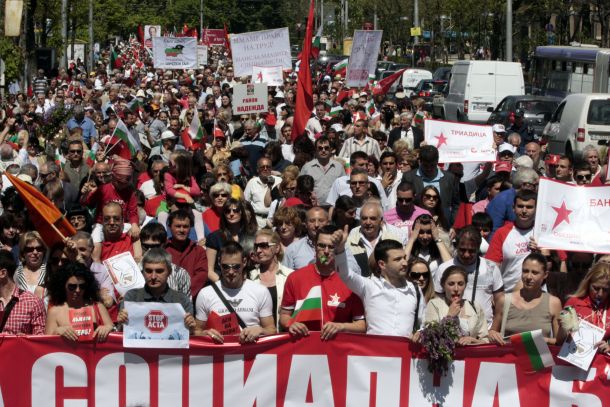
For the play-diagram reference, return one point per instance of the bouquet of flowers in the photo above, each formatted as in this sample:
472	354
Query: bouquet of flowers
439	338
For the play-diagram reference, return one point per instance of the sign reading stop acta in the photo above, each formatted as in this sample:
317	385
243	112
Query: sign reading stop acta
156	321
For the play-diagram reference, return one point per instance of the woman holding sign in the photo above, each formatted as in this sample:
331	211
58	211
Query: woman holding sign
75	308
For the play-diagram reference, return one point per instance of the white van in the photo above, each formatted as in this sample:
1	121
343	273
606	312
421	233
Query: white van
580	119
476	86
411	78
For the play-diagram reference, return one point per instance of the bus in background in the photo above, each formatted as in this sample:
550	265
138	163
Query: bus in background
562	70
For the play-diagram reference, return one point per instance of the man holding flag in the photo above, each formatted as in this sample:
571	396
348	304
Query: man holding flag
315	298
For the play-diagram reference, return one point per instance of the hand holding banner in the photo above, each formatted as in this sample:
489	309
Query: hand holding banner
155	325
459	142
573	217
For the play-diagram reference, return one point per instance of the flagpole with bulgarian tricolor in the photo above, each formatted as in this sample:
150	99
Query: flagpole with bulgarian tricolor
193	136
123	134
534	346
309	308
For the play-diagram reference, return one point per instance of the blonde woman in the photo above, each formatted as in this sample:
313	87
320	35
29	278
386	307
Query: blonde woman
31	272
269	271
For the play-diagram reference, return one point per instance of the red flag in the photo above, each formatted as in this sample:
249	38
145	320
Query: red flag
304	101
227	40
51	224
384	85
141	34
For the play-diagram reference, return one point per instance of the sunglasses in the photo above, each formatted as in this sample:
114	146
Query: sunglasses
221	195
232	210
358	182
38	249
581	177
404	200
73	287
416	276
228	267
431	197
148	246
75	151
264	245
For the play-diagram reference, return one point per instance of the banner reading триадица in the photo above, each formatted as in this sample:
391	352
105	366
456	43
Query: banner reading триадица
459	142
348	371
573	217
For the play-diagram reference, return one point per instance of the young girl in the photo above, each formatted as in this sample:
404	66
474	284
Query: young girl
180	184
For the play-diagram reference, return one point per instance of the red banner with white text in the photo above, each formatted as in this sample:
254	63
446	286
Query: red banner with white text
351	370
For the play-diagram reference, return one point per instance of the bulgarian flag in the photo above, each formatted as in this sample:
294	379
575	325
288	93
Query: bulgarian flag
315	46
91	155
370	108
336	111
309	308
130	146
135	105
340	68
533	344
192	138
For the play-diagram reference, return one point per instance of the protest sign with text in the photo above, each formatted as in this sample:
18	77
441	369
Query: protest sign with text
175	52
124	272
573	217
202	55
261	48
459	142
213	36
155	325
249	98
271	75
363	59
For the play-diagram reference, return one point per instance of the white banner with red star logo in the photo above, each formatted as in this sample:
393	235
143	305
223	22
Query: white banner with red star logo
459	142
271	75
572	217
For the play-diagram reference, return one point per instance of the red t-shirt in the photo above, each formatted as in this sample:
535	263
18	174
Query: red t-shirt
584	309
339	303
124	244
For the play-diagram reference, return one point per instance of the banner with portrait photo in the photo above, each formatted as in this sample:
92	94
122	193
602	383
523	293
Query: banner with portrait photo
175	52
573	217
261	48
250	98
150	32
363	59
459	142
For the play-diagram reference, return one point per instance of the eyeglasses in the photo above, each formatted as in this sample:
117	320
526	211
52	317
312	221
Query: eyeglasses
148	246
413	275
73	287
431	197
323	246
31	249
232	210
221	195
582	177
264	245
404	200
227	267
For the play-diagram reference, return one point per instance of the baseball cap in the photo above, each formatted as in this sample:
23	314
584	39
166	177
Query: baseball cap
498	128
503	166
168	135
506	148
552	159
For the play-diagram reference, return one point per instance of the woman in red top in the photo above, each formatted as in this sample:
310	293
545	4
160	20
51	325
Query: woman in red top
592	303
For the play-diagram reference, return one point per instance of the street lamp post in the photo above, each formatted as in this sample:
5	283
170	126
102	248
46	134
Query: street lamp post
509	30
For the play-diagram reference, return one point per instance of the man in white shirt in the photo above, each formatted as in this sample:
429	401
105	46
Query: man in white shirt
314	125
257	187
250	303
393	305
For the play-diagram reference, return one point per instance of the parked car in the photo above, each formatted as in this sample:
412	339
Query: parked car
412	77
579	120
427	89
438	101
477	85
442	74
537	111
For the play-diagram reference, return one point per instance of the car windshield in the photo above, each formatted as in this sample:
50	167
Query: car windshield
536	106
599	112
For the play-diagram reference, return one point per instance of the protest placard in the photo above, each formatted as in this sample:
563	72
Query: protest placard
249	98
213	36
175	52
151	31
573	217
261	48
155	325
363	59
271	75
81	320
225	325
459	142
202	55
124	272
580	348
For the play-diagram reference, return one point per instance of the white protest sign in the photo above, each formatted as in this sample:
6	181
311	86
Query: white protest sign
175	52
459	142
572	217
580	349
271	75
261	48
363	59
124	272
249	98
202	55
155	325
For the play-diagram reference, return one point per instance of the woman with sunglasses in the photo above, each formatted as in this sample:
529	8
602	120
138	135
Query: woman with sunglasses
430	199
30	274
418	272
73	287
236	222
269	270
425	243
278	195
219	193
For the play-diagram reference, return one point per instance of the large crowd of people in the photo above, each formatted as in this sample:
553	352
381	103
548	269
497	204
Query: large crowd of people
352	226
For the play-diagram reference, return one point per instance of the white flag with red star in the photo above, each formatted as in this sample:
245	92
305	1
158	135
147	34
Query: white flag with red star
459	142
572	217
271	75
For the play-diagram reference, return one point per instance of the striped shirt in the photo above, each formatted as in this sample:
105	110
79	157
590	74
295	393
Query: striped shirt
179	280
28	315
369	145
21	282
